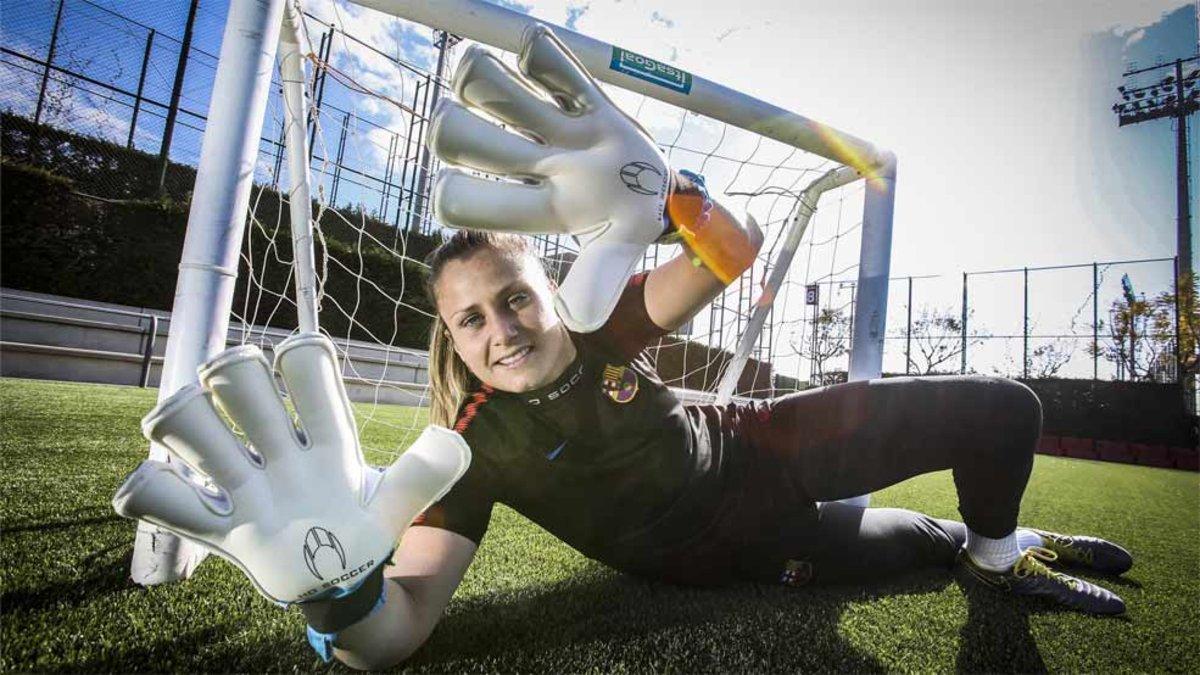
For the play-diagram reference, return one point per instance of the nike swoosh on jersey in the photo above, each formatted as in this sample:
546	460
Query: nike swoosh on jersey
553	454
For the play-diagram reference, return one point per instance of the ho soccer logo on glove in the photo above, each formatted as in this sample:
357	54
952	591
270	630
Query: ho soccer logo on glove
642	178
320	538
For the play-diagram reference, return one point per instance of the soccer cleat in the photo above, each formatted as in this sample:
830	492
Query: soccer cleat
1030	576
1090	552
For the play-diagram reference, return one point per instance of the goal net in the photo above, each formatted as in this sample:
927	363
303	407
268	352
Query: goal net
334	222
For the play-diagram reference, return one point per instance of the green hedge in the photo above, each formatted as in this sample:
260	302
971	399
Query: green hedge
57	241
82	217
96	166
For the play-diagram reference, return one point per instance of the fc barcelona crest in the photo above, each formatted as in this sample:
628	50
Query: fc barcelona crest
620	383
796	573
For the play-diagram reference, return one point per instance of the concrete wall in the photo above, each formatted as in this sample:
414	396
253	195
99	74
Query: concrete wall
55	338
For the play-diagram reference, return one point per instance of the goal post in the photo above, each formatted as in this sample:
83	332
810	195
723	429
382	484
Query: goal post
257	34
209	261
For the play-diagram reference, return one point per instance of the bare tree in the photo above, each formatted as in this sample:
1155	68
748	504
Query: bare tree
1141	335
830	340
937	340
1047	359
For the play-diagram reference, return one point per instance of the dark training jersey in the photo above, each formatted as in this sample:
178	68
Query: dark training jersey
605	458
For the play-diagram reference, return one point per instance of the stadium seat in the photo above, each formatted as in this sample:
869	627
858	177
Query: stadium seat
1079	448
1115	451
1048	445
1153	455
1186	458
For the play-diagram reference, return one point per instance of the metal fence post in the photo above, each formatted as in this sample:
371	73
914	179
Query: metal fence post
137	100
1095	321
148	354
164	153
279	147
386	192
908	333
337	165
444	42
963	367
322	71
1025	329
37	115
1178	350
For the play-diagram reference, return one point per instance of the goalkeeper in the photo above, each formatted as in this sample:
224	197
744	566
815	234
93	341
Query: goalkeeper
568	423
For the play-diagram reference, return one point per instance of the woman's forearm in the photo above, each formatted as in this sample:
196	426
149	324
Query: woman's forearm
387	636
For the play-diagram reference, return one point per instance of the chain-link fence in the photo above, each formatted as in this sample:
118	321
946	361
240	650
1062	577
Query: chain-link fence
1111	320
121	75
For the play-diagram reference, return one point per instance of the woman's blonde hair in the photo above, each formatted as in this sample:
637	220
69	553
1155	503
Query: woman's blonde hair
449	379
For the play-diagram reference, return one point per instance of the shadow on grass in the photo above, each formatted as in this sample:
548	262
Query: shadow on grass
608	621
50	526
177	652
94	580
996	636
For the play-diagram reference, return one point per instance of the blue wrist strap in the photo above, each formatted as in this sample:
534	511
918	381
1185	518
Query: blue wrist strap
322	643
695	178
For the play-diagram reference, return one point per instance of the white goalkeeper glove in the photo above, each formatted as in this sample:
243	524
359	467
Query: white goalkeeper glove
578	164
300	512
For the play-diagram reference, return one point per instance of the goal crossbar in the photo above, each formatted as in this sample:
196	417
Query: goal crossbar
502	28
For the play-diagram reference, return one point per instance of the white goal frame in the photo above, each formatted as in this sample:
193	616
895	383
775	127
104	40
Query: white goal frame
256	32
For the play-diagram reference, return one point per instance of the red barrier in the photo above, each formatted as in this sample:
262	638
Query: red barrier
1048	445
1154	455
1079	448
1187	459
1115	451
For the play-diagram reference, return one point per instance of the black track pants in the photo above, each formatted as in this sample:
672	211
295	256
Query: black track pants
846	440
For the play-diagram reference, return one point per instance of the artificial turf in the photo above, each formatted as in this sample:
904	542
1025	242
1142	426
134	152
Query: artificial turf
530	603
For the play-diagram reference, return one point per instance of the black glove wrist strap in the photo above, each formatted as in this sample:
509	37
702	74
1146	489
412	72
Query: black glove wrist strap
332	615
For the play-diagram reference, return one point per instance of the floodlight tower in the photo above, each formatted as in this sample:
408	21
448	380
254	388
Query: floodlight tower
1176	95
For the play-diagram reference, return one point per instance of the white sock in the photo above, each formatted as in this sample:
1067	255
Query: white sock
997	555
1028	538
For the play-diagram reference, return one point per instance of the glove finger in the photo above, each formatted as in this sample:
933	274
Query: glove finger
243	385
188	425
486	82
309	366
421	476
159	493
546	60
463	200
461	137
592	288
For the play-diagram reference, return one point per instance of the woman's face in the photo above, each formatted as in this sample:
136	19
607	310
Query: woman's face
500	312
